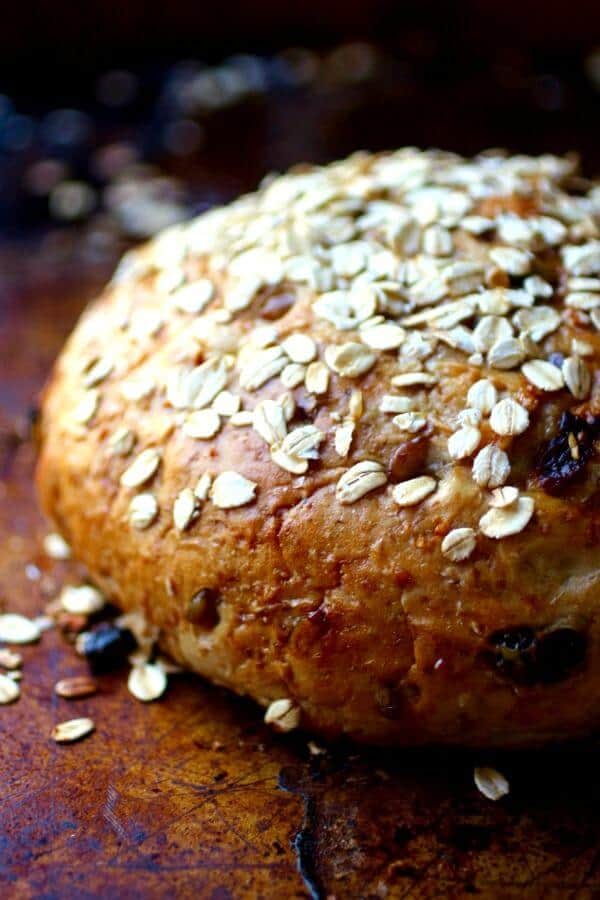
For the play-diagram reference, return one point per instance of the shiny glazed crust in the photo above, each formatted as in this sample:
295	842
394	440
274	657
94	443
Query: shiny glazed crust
413	599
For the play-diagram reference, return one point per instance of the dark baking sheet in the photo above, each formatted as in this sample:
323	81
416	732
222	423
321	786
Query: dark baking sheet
192	795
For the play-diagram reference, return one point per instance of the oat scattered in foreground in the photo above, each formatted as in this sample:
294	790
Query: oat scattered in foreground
72	730
75	687
9	659
56	547
9	690
491	783
16	629
283	715
84	600
147	682
459	544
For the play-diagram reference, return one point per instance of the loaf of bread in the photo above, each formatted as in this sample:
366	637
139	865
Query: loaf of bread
339	441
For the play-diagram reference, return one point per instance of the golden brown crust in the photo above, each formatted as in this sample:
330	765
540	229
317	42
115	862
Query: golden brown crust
376	603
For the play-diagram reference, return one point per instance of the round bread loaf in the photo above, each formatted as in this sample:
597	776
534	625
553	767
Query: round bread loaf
339	441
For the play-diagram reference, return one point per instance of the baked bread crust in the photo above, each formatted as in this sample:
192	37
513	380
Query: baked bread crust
414	599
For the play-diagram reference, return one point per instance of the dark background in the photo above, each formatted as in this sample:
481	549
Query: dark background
463	76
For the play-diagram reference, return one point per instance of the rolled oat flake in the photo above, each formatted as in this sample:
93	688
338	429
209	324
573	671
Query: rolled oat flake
503	522
9	659
9	690
72	730
17	629
83	600
56	547
283	715
147	682
77	686
491	783
459	544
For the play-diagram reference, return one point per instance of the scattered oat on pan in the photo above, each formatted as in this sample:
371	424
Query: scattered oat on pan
72	730
17	629
491	783
9	689
147	682
75	687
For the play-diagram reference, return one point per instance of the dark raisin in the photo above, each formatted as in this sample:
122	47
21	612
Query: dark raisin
408	458
393	699
545	657
107	647
389	702
515	641
203	608
559	652
514	652
564	457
